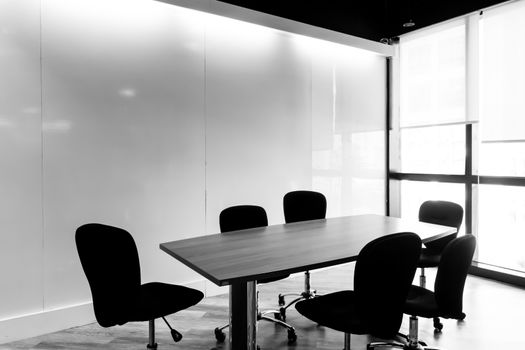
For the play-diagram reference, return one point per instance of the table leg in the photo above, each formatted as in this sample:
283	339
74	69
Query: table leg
243	316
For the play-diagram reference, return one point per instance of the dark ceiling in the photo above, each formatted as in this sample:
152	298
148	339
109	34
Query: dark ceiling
370	19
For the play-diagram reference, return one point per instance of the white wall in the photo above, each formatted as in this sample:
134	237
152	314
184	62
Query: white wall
258	133
21	240
153	118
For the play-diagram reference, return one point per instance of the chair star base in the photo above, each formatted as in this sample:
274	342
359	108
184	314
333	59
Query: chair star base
220	336
405	346
391	345
411	340
308	293
378	345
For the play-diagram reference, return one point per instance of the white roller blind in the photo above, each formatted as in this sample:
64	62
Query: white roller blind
502	73
432	76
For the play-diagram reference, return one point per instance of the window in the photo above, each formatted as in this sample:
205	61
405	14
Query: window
460	132
432	127
433	149
501	230
432	82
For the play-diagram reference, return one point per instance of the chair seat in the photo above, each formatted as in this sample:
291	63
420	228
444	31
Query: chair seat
429	258
335	310
156	299
421	302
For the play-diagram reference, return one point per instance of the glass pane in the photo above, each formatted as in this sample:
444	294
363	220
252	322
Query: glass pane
435	150
414	193
502	73
501	232
432	77
502	159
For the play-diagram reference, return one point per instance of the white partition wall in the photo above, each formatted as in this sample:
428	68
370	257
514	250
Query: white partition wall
153	118
123	132
258	126
349	89
20	159
360	117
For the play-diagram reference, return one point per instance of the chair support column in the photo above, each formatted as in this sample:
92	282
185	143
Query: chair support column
151	343
412	333
422	278
307	283
347	341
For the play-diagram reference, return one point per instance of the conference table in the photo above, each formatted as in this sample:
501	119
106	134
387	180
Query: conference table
240	258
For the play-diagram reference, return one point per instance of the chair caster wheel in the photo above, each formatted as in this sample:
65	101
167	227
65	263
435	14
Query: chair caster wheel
282	314
176	336
219	335
281	300
462	316
292	337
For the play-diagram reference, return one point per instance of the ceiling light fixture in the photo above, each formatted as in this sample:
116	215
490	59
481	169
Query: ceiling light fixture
409	24
409	13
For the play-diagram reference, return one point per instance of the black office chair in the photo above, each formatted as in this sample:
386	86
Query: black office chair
441	213
301	206
243	217
447	299
110	261
383	274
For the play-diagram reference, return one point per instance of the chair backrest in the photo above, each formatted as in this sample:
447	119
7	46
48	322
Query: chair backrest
110	261
303	206
452	273
441	213
383	275
241	217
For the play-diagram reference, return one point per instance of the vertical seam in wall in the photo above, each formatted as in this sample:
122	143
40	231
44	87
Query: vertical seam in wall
333	64
388	116
312	170
334	96
205	110
42	158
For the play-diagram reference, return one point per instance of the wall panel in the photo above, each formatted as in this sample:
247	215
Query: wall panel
360	106
20	159
123	133
348	139
258	132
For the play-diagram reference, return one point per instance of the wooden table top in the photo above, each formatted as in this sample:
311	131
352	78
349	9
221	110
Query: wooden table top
271	251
